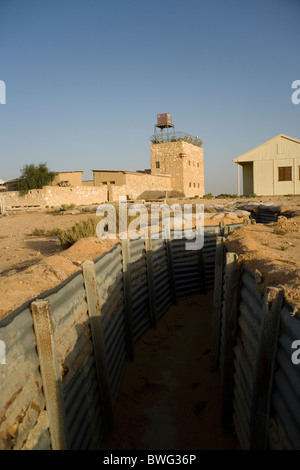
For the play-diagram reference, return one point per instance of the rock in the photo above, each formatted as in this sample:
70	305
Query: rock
231	215
74	212
242	213
218	216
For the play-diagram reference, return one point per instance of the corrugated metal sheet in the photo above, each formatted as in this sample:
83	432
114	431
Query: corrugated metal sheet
162	286
188	278
265	217
77	365
21	397
249	321
109	276
139	288
286	392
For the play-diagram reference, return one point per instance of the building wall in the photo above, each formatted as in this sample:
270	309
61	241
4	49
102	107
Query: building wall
183	162
105	177
73	177
56	196
138	184
266	159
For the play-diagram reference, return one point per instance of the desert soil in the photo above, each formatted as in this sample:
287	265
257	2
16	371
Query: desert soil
273	250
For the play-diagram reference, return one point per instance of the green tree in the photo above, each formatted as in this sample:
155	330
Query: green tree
34	177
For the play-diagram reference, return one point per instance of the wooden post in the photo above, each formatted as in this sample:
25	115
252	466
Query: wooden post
217	303
43	329
264	370
94	310
229	326
151	288
127	296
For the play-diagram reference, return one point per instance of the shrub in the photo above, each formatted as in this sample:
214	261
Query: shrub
41	232
82	229
67	207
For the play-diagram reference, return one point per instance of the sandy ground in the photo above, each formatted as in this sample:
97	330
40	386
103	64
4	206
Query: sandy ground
274	250
169	399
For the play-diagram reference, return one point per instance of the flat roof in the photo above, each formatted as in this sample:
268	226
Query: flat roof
139	173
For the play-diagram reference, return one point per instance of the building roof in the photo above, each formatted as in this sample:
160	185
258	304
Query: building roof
73	171
138	173
247	156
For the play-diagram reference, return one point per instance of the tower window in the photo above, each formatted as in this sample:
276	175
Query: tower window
190	185
198	164
198	185
194	185
157	164
189	162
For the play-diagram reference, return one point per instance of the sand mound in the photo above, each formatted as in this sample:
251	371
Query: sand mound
274	250
48	273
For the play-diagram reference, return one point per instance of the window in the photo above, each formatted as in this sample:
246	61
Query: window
104	182
197	164
190	185
194	185
299	172
198	185
112	182
284	173
157	165
189	162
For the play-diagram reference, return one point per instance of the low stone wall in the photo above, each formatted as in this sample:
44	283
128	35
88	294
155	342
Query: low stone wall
55	196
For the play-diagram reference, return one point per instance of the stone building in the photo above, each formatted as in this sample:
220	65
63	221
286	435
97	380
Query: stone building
177	167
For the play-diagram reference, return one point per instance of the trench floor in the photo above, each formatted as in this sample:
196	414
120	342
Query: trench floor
169	399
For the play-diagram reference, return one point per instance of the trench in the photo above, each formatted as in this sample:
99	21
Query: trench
169	397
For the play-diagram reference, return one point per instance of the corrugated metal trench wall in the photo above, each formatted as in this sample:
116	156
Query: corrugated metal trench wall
65	352
253	347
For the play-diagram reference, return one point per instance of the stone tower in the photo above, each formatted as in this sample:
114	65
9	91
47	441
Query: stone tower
179	155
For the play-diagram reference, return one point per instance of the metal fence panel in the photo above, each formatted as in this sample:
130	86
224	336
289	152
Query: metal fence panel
139	286
21	398
75	355
286	391
109	277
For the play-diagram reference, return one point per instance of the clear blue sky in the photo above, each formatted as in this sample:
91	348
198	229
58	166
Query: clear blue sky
85	80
